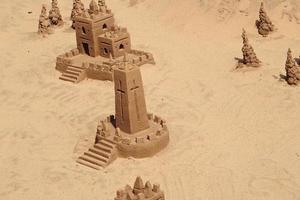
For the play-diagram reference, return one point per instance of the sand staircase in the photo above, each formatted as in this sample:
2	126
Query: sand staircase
100	155
74	74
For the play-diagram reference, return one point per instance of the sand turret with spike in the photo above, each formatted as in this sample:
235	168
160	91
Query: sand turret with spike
94	9
44	24
264	24
102	5
249	56
54	15
292	70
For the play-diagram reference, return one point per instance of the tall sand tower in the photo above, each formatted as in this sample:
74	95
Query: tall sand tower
130	105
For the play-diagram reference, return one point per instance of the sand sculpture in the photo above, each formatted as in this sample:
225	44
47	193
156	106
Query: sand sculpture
54	15
292	70
100	46
264	24
77	10
140	191
249	56
44	24
131	131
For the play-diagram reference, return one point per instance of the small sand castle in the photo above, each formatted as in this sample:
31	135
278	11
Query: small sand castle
264	24
54	15
77	10
44	24
101	44
140	191
131	132
292	70
249	57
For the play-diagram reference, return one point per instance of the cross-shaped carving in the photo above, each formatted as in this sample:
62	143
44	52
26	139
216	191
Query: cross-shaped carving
122	92
134	89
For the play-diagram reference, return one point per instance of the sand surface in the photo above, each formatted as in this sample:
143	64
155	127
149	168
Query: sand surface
234	135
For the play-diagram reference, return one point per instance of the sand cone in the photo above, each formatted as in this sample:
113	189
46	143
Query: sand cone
138	185
54	15
44	24
264	24
292	70
249	56
77	10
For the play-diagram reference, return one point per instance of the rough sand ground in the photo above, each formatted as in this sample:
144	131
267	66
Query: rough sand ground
234	136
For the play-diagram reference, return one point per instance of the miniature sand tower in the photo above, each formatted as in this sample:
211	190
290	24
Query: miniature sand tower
264	24
249	56
131	131
140	191
292	70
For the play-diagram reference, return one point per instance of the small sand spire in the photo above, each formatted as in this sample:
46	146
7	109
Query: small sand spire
44	25
77	10
54	15
244	36
264	24
93	7
292	70
249	56
138	185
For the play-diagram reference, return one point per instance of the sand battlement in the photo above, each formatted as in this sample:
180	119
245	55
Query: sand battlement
87	17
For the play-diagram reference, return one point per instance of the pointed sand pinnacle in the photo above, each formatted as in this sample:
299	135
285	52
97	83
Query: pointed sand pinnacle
138	184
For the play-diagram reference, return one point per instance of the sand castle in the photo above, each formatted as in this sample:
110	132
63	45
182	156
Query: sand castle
54	15
292	70
100	46
140	191
264	24
249	57
131	131
44	24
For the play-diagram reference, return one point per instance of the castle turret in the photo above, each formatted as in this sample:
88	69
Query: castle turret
89	26
94	9
115	42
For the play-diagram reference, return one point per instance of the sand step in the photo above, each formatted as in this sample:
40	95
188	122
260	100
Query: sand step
67	79
88	164
76	67
110	141
70	68
69	76
97	156
102	148
106	143
101	154
93	160
73	74
76	73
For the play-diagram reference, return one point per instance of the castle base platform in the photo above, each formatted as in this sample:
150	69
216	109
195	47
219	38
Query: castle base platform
111	142
76	67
